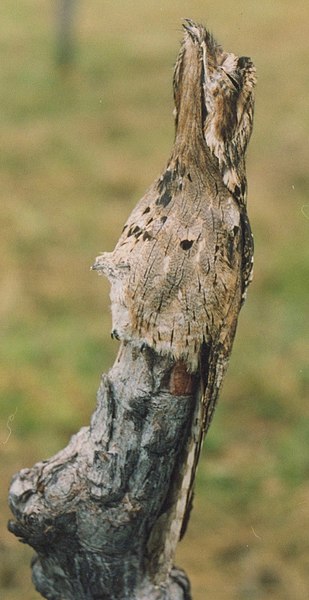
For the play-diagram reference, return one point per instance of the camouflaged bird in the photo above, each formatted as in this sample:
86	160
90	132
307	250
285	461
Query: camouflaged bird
180	270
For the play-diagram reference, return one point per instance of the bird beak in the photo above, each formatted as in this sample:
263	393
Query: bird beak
192	29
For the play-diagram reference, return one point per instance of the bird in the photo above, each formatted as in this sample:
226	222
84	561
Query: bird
181	268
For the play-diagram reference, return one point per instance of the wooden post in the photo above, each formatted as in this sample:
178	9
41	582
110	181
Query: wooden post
65	42
106	513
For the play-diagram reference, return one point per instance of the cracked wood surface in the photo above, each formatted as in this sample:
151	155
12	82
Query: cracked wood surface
100	512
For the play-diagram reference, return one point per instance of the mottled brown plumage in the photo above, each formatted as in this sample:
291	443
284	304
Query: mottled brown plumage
181	267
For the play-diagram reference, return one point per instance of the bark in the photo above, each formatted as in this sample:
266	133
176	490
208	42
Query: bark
102	513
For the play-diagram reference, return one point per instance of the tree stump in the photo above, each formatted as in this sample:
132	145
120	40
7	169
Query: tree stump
101	513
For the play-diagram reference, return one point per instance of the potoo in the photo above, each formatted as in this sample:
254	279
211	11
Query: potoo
180	270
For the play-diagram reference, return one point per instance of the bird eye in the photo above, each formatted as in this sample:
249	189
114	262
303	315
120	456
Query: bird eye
233	81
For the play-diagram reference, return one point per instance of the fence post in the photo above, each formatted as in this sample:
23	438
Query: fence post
65	40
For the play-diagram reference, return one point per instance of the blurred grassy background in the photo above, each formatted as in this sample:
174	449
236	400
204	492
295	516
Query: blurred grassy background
77	152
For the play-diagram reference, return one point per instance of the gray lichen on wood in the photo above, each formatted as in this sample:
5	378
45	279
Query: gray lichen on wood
89	511
106	513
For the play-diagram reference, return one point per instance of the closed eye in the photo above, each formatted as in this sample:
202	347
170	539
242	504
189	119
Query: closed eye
233	81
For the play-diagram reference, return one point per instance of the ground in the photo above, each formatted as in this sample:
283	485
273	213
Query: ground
78	149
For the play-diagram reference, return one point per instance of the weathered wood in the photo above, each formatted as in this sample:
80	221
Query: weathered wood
89	511
106	513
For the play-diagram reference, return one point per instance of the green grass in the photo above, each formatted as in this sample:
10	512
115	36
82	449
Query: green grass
77	152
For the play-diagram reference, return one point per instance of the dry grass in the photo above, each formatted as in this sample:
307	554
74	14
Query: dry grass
76	154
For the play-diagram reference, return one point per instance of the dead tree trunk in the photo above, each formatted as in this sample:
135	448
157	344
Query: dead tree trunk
100	513
105	514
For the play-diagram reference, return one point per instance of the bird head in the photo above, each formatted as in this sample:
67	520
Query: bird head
215	89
